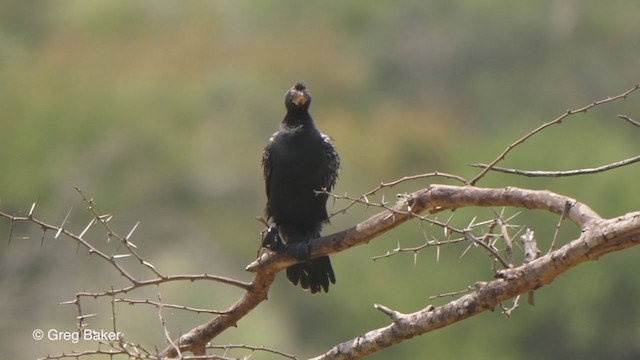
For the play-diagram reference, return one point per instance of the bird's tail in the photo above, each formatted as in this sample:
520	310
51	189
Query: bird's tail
313	275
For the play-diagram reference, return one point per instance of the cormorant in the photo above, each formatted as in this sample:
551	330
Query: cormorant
298	162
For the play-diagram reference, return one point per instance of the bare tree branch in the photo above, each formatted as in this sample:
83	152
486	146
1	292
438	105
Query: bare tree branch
196	340
537	173
629	120
556	121
598	238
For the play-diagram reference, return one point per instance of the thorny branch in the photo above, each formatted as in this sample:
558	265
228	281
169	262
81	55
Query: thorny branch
598	237
619	234
364	198
121	346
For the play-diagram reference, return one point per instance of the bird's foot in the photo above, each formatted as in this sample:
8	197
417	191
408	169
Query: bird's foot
271	240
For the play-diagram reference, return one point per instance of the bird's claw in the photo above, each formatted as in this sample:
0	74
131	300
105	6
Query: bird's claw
271	240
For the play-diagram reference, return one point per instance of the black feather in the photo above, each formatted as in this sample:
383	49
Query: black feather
298	162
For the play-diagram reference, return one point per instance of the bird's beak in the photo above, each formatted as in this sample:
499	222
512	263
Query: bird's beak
299	98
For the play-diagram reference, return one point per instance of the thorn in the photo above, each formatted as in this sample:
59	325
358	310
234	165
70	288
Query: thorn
105	218
10	229
61	228
82	317
33	206
132	230
87	228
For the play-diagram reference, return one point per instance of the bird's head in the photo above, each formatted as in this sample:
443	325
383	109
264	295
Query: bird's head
297	97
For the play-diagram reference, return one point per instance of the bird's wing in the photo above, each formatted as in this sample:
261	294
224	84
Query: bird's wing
333	164
266	163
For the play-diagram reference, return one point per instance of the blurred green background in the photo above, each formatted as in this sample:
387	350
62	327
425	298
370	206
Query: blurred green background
159	110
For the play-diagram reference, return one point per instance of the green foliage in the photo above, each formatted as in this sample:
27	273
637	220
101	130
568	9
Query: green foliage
159	110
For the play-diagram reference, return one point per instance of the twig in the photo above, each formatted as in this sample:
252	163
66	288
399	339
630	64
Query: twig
538	173
417	249
556	121
252	348
451	294
166	279
508	310
557	230
124	240
172	306
166	331
630	120
83	354
364	198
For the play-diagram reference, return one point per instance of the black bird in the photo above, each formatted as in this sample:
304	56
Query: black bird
298	162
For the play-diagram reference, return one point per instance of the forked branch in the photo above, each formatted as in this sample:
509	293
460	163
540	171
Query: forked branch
595	241
555	121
